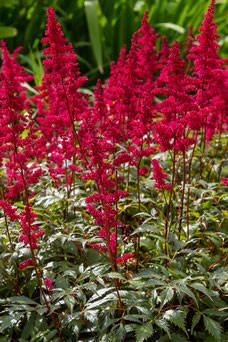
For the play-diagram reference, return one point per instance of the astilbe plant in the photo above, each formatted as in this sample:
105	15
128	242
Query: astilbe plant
102	172
135	255
17	153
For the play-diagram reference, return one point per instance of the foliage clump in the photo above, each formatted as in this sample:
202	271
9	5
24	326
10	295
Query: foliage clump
114	206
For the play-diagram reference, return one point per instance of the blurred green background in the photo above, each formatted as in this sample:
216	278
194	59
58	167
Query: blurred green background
98	28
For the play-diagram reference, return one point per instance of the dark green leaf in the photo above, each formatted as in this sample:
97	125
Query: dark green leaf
61	282
177	317
21	300
195	321
214	328
166	295
9	321
143	332
201	288
163	324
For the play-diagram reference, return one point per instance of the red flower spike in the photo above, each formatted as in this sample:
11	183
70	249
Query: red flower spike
159	176
208	69
124	258
18	152
48	284
225	181
25	264
60	104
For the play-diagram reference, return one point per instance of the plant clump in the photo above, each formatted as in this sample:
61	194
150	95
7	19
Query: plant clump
114	206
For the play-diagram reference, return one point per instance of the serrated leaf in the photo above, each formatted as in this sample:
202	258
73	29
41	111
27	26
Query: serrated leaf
70	301
214	312
163	324
148	273
61	282
115	275
144	310
91	315
184	289
166	295
178	338
50	335
120	333
201	288
143	332
21	300
26	333
146	228
195	321
132	318
177	273
214	328
177	317
99	303
10	320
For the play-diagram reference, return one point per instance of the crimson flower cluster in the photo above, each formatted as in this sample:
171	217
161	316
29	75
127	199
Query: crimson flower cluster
17	150
159	176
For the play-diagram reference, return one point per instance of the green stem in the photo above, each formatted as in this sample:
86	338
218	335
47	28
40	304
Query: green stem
139	209
189	180
169	206
182	198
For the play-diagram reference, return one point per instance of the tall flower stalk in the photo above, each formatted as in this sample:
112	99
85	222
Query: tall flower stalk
17	152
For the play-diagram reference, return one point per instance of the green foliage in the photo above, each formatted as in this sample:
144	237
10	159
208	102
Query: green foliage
92	22
184	301
143	332
213	327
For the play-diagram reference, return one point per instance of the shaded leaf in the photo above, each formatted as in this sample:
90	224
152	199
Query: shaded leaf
8	321
115	275
163	324
184	289
214	328
177	317
144	331
61	282
195	321
21	300
201	288
166	295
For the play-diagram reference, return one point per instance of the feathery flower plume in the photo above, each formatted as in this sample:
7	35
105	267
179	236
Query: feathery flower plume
208	69
159	176
60	103
169	132
18	151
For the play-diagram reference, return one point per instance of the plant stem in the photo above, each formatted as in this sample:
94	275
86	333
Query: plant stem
36	267
139	209
112	262
189	180
169	205
182	198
